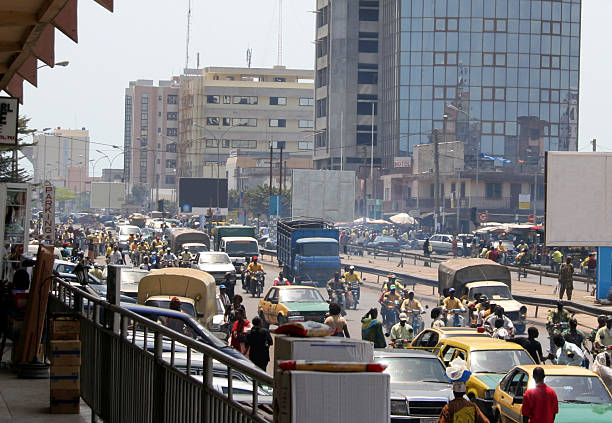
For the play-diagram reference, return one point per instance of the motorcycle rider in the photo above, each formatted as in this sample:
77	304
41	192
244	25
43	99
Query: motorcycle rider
392	281
185	257
499	314
253	267
390	296
603	338
573	334
436	317
567	353
338	287
556	317
353	281
281	280
169	258
402	331
411	303
601	322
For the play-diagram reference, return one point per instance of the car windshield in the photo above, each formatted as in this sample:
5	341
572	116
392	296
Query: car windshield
300	296
215	258
126	230
185	306
132	276
579	389
319	249
194	249
492	292
498	361
242	248
414	369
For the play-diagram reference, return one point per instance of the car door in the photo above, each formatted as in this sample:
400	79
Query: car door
426	340
447	353
511	396
266	304
272	306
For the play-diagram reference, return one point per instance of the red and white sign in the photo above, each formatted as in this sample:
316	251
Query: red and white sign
402	161
531	219
483	216
48	214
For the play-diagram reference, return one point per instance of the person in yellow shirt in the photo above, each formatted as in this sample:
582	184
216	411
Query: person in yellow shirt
254	266
411	303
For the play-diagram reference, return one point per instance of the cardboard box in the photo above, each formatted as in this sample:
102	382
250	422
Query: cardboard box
65	353
306	397
65	401
331	348
65	377
65	328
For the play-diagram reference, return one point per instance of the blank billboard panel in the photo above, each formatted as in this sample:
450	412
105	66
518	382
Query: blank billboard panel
107	194
578	199
326	194
196	194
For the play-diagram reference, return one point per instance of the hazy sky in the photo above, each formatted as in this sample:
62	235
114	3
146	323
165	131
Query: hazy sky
145	39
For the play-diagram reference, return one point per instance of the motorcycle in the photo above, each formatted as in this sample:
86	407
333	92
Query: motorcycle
457	319
416	321
355	293
390	314
257	283
555	329
339	297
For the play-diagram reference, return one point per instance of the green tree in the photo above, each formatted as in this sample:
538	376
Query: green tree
7	172
64	194
257	200
139	195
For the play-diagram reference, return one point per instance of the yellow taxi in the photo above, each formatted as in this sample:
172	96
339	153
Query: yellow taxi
488	359
581	394
285	303
429	338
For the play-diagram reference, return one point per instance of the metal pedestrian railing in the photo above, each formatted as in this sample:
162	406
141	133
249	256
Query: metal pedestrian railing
127	377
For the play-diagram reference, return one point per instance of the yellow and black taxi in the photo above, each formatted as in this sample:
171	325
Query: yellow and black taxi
284	304
429	338
488	359
582	395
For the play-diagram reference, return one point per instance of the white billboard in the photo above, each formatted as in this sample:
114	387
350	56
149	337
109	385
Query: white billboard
107	195
578	199
326	194
9	112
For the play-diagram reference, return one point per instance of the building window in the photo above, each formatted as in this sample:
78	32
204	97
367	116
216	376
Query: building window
370	15
306	101
172	115
495	25
211	143
368	46
321	139
226	121
172	99
321	109
227	99
322	77
278	123
305	145
212	121
171	164
365	138
322	47
170	180
244	100
212	99
446	24
244	122
494	190
279	79
550	62
322	16
367	77
171	148
278	101
251	144
305	123
171	132
365	108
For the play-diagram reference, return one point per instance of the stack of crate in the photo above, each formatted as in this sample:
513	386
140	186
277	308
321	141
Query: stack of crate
65	354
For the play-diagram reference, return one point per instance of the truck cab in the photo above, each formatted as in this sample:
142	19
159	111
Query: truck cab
238	248
316	259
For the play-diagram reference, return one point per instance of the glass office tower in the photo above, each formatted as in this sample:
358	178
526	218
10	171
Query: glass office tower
505	73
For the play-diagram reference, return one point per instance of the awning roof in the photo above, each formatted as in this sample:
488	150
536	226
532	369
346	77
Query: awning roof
27	33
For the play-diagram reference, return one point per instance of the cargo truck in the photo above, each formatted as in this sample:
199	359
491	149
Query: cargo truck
238	241
307	250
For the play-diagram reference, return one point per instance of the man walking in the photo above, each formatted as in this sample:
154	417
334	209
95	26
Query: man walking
540	404
258	342
566	279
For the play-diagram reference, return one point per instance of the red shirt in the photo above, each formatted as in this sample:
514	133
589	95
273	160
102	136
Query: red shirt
540	404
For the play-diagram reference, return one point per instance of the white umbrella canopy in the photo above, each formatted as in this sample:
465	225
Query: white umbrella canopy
403	219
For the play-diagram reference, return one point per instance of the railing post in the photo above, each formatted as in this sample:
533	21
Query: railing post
206	386
159	383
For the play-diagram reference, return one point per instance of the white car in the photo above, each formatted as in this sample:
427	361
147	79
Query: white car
123	233
217	264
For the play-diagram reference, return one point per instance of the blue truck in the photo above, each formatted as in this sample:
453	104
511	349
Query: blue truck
307	250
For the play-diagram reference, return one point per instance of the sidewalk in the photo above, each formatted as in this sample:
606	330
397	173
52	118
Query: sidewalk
27	400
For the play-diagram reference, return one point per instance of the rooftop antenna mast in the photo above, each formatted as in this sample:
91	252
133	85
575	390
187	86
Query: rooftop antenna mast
249	56
188	34
279	57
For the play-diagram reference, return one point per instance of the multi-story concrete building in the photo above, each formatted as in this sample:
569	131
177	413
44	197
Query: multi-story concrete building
112	175
346	96
227	109
150	134
61	156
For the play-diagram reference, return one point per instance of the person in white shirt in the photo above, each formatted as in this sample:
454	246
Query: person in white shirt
499	314
500	332
116	257
567	353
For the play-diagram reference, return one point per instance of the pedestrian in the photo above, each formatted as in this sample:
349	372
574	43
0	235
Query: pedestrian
371	329
531	344
224	297
466	251
337	322
540	404
460	409
566	279
230	283
454	246
258	342
240	329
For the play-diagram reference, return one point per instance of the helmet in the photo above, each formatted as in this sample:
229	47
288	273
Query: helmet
221	286
392	288
351	267
391	276
254	258
451	290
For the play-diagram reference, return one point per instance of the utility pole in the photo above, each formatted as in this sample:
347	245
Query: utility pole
280	181
436	136
270	186
594	142
372	166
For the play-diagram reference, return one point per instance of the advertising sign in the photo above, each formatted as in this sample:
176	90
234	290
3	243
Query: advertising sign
197	195
48	214
9	111
524	201
402	161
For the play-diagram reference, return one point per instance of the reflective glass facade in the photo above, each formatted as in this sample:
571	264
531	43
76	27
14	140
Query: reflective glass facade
504	72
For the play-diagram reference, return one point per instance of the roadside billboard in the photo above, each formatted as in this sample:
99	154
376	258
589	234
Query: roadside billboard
326	194
9	112
578	199
197	195
106	195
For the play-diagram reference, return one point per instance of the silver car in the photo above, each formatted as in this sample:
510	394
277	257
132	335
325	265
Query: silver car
216	263
419	386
